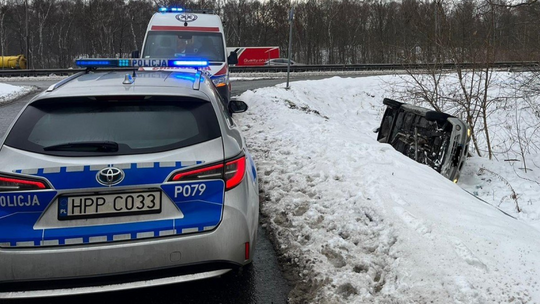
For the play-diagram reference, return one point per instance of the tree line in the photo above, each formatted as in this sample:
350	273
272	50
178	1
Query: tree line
52	33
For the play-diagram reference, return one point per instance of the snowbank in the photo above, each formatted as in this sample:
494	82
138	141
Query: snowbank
358	222
10	92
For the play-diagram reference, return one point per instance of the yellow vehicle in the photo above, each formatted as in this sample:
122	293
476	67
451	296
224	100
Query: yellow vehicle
13	62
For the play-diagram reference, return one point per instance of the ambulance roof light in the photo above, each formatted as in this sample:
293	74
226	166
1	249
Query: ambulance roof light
170	9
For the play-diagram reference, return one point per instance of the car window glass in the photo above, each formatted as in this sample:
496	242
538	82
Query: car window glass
408	122
386	125
138	127
398	126
170	44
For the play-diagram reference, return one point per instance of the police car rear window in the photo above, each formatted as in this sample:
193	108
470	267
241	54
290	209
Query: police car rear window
115	125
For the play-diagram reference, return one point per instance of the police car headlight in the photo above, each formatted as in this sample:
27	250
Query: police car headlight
220	81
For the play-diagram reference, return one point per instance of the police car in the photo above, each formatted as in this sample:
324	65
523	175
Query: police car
191	34
114	179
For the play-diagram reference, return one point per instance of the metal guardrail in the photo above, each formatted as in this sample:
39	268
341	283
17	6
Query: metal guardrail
383	66
35	73
532	65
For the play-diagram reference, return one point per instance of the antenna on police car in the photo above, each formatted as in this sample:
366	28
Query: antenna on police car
128	79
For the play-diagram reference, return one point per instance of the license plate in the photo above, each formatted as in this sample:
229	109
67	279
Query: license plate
118	204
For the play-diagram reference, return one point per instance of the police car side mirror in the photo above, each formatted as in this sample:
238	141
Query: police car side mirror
237	106
233	58
135	54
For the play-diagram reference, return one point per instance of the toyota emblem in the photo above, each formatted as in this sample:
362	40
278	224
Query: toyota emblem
186	17
110	176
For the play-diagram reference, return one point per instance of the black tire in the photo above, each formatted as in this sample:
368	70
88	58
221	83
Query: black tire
437	116
392	103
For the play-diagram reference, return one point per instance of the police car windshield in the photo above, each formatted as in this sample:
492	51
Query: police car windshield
86	127
169	44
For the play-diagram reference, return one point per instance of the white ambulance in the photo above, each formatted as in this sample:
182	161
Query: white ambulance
191	35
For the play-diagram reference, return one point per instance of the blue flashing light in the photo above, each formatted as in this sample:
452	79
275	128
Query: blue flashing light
141	62
186	77
93	63
190	63
123	63
170	9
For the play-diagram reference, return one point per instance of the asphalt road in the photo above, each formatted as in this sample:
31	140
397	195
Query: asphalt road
261	282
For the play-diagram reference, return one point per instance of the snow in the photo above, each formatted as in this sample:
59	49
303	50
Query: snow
51	77
358	222
10	92
246	76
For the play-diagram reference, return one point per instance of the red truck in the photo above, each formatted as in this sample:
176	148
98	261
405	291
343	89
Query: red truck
254	55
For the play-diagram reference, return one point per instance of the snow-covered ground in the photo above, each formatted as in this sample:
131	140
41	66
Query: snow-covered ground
293	75
358	222
10	92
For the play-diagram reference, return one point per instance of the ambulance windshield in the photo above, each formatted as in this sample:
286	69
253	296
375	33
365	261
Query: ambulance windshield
170	44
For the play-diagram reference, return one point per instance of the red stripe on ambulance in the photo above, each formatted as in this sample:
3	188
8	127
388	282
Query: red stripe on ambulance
184	28
223	71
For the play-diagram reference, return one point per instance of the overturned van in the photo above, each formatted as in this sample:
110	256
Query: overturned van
436	139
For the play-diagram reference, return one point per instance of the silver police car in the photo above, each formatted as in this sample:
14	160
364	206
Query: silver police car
123	179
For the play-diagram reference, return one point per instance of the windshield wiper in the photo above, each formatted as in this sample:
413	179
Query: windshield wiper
85	146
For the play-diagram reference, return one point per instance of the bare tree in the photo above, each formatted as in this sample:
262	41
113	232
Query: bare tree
41	10
3	36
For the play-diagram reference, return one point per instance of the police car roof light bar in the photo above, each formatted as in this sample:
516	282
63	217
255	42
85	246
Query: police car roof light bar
94	63
189	63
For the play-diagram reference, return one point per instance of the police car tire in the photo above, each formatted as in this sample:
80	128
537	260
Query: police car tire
437	116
